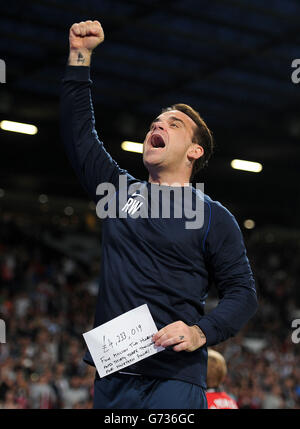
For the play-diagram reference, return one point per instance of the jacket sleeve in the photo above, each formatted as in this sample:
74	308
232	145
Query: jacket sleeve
230	270
90	160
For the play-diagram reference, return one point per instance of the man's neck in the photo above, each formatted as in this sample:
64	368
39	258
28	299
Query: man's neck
169	179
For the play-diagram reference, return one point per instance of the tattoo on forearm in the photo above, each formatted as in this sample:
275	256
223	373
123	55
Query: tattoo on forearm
200	332
80	58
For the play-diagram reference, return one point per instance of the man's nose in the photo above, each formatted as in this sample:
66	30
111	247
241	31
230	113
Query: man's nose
158	126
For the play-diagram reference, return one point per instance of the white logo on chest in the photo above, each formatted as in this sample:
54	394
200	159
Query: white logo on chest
132	205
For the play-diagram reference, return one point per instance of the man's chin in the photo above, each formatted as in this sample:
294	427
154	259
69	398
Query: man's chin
151	162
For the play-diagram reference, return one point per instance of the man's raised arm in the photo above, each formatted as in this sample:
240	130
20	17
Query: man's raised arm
90	160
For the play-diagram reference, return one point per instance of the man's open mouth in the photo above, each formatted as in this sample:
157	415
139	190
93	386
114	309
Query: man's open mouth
157	141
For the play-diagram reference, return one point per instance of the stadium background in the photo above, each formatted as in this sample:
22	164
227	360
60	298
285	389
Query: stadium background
229	59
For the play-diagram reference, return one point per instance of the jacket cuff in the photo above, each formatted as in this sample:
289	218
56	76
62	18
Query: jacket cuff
209	331
77	73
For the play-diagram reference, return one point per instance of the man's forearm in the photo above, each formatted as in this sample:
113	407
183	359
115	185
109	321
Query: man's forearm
80	57
231	314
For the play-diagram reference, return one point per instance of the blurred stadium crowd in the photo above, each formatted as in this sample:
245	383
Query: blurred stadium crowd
47	300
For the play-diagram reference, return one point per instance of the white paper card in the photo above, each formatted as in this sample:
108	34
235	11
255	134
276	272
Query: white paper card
122	341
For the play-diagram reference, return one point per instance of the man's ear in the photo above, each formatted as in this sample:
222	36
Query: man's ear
195	151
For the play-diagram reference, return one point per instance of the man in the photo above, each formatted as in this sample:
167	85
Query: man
217	399
157	261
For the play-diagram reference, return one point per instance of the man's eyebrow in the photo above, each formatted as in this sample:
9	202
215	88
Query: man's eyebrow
173	118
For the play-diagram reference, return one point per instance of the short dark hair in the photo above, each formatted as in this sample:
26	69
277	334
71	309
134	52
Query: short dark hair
202	135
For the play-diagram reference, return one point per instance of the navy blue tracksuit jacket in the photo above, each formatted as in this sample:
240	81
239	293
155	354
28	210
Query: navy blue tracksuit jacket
158	261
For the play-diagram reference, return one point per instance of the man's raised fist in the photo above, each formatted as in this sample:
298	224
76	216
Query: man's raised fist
86	35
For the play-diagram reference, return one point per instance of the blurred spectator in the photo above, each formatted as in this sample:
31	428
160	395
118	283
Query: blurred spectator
76	392
42	394
10	401
217	398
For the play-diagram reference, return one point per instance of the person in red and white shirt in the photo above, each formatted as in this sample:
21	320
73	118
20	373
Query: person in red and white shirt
216	373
